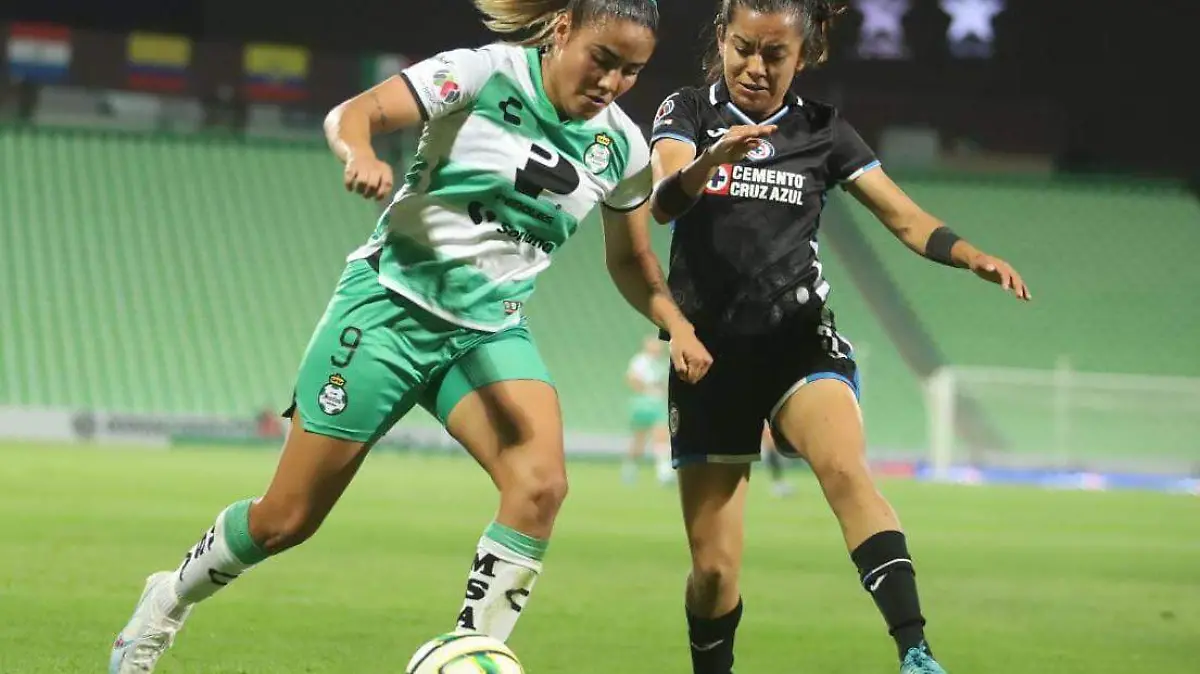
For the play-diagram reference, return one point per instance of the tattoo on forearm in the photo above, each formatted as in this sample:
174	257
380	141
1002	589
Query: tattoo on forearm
654	275
383	119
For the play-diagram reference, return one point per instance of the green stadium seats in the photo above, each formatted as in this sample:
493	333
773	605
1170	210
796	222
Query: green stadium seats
154	273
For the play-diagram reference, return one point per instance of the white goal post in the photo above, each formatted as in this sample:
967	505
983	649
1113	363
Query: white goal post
1063	419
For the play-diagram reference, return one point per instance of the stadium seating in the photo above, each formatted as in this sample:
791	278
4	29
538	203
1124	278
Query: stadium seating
158	273
184	274
1110	264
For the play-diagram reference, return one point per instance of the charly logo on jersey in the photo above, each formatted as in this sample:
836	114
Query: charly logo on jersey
333	398
598	155
750	182
448	90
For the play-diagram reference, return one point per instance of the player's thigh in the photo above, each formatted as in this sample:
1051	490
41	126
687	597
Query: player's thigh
716	420
713	498
498	400
660	435
637	441
818	416
359	373
313	472
821	422
354	380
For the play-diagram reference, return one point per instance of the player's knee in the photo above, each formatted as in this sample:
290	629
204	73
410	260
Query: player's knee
282	527
843	480
712	577
542	488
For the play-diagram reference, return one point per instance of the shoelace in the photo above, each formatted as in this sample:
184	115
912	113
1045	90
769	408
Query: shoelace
145	652
918	657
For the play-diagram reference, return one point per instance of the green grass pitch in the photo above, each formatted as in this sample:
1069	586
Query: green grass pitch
1013	580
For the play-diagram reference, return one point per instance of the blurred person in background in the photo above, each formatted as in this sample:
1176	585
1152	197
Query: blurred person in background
647	377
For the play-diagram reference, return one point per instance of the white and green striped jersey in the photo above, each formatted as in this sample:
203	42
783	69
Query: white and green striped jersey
651	372
498	185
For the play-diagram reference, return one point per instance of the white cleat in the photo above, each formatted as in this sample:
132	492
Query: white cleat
156	620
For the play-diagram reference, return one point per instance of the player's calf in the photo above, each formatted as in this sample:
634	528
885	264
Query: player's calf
508	557
507	564
713	498
514	430
224	552
221	555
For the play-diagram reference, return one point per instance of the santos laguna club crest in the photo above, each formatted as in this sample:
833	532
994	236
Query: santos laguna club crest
598	156
333	399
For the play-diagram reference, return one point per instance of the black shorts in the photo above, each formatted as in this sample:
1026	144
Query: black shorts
720	419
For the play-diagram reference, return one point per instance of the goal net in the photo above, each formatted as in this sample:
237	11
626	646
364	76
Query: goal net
1063	420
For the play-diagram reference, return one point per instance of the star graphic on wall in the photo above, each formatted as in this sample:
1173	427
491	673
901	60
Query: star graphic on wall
882	34
971	31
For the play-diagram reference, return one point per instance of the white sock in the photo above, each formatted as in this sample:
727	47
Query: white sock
507	564
629	471
223	553
662	458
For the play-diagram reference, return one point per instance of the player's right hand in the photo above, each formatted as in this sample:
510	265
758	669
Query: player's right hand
689	356
369	177
738	142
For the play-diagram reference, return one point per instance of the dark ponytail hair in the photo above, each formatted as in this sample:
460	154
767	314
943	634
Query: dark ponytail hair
534	19
815	16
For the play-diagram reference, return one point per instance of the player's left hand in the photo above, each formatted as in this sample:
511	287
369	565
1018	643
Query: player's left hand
1001	273
689	356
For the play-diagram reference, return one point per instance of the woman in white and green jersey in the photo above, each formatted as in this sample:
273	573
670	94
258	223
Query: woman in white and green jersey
647	377
520	143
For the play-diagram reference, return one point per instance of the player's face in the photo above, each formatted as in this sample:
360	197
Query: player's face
598	63
762	54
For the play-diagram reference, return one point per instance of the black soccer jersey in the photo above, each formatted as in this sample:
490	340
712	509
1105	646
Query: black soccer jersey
745	258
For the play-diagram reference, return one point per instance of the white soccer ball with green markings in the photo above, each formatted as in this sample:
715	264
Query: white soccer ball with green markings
464	653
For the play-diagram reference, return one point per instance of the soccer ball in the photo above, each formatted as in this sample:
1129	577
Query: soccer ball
464	653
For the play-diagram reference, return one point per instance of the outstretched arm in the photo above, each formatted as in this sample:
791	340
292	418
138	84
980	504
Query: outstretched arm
929	237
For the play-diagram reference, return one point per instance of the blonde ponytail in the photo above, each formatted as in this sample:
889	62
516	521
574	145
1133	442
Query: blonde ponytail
533	19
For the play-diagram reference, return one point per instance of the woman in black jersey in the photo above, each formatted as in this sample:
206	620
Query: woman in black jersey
742	167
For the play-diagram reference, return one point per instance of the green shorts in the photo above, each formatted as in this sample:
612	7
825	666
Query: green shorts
375	354
646	412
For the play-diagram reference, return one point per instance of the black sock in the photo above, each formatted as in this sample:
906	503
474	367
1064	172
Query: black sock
886	571
712	641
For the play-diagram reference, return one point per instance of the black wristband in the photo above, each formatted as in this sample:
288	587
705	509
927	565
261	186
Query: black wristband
939	245
671	198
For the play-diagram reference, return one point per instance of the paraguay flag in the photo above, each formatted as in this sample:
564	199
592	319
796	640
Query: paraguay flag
275	73
158	62
39	52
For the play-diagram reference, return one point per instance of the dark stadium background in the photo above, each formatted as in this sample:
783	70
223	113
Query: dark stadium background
1099	85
